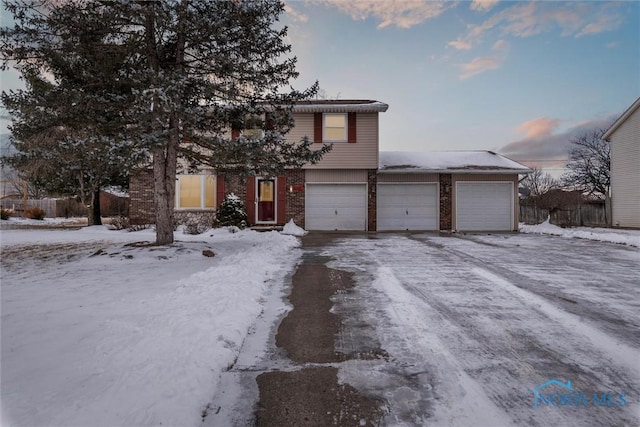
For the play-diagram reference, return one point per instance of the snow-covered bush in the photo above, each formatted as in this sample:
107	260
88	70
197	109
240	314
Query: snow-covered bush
231	213
35	213
196	226
120	222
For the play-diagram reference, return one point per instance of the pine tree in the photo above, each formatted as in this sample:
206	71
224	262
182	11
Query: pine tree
232	212
195	69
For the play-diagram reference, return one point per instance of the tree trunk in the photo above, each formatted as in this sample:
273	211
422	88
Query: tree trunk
164	178
94	216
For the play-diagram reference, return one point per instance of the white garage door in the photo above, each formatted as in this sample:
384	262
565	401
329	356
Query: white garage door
336	207
484	206
407	207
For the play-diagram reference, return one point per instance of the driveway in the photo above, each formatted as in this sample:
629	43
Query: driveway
474	323
463	330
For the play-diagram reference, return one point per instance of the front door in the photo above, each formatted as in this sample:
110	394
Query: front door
266	198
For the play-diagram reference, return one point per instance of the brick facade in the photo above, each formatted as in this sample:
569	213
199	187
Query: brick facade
446	202
295	195
141	207
372	204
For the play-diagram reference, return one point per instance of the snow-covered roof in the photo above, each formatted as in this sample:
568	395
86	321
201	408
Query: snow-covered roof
449	161
340	106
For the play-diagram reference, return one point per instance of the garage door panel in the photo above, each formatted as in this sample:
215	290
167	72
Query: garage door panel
336	207
484	206
407	207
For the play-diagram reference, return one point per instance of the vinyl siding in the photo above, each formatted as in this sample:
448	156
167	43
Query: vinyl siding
408	177
333	175
625	173
360	155
486	178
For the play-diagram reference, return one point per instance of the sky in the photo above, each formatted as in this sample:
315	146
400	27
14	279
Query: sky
518	78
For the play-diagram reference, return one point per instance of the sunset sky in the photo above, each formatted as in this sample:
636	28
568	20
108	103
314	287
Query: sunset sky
519	78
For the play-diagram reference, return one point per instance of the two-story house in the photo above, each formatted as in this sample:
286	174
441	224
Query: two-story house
355	187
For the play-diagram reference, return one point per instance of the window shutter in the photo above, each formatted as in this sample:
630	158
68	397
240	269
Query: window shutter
219	190
317	127
251	199
269	122
281	197
351	127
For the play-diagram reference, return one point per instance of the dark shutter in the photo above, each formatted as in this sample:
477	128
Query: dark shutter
235	134
219	190
317	127
281	199
251	199
351	127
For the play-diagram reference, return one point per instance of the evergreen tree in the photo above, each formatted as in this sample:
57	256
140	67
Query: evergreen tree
195	68
232	212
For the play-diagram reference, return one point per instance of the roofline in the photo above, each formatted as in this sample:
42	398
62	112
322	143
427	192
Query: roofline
325	107
629	111
458	171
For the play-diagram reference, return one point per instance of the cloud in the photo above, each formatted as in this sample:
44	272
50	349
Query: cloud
542	147
612	45
486	63
536	128
483	5
295	15
402	14
576	19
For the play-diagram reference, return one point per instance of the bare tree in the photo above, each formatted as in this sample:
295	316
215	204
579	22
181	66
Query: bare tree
538	183
589	166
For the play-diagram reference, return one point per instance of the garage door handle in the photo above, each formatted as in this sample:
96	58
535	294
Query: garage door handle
407	211
336	211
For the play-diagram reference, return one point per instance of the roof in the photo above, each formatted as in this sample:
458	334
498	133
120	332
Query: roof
340	106
621	120
448	161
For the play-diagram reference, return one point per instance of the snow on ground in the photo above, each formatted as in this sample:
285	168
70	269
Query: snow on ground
101	329
626	237
473	323
292	229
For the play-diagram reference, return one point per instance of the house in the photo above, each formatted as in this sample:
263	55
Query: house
355	187
624	135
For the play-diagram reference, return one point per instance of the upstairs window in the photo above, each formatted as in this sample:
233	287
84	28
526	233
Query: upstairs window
335	128
253	126
196	192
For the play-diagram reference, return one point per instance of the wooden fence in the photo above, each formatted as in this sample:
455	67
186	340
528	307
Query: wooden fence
65	208
588	215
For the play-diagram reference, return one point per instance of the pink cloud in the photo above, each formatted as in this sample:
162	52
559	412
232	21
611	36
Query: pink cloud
402	14
483	5
479	65
294	14
541	126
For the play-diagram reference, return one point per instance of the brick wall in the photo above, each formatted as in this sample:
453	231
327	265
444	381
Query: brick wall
446	202
141	207
372	217
295	198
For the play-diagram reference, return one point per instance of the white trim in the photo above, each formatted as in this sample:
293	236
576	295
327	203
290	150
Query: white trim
369	107
511	202
202	193
620	120
275	199
437	184
366	195
346	127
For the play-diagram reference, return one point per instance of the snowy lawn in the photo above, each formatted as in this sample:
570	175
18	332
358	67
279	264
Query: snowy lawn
625	237
101	329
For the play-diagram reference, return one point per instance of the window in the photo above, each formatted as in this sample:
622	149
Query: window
335	128
196	192
253	126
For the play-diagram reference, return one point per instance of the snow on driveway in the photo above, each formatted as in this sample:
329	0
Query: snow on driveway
97	330
474	323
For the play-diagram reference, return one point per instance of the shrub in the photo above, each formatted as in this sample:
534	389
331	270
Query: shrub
35	213
5	213
196	226
119	223
231	213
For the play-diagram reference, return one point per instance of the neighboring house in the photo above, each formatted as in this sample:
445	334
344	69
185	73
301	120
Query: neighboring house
355	187
624	136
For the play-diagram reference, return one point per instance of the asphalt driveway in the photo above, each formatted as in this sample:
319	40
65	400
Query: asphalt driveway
463	330
474	324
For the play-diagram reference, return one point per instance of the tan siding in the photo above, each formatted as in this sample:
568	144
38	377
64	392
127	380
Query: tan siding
486	178
333	175
408	177
625	173
360	155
